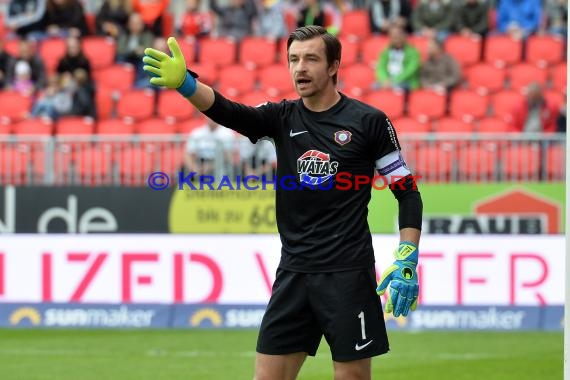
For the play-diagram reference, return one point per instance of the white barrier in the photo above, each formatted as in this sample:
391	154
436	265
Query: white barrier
239	269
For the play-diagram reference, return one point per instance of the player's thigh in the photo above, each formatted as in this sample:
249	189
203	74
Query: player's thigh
350	313
353	370
278	367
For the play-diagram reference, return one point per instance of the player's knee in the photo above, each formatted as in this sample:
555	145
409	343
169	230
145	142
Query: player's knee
357	370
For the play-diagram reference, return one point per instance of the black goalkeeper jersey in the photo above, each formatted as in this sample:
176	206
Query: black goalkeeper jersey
322	227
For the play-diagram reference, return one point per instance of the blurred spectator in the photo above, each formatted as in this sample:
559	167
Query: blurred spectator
561	119
53	100
25	16
65	18
113	17
433	18
26	53
534	113
131	45
236	19
5	62
83	100
387	13
319	12
195	21
257	159
519	18
74	58
272	20
440	72
152	13
205	146
398	65
556	17
22	82
473	17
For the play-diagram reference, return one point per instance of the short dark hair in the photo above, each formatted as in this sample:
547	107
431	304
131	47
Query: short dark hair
333	47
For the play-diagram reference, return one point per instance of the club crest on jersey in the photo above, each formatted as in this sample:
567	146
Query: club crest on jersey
342	137
315	167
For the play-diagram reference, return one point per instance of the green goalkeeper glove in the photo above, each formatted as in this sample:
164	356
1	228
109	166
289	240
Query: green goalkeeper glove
170	71
403	280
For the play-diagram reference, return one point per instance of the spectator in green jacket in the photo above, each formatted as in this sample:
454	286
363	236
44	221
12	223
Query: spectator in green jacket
399	64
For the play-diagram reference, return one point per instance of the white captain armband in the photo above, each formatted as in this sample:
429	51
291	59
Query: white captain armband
392	165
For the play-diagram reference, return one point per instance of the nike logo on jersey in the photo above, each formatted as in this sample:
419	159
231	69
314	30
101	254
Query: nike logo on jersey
293	134
358	348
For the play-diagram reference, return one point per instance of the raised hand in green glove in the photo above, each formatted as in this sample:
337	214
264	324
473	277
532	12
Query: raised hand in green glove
403	280
169	71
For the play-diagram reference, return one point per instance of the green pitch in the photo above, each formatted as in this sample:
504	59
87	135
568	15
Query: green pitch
217	354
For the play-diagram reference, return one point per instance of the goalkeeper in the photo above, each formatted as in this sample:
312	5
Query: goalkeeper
325	283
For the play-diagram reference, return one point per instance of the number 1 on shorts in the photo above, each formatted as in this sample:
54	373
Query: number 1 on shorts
362	326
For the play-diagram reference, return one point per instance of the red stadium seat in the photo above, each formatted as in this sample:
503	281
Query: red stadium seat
388	101
485	78
275	79
405	125
136	104
521	162
99	50
5	129
51	51
218	51
357	79
493	125
75	125
350	50
426	105
433	163
235	80
523	74
115	127
282	51
555	159
39	126
502	50
372	47
292	95
468	105
545	50
452	125
104	102
255	98
558	76
479	161
93	166
189	125
466	50
155	126
12	46
188	48
255	52
555	97
503	103
119	77
355	23
173	106
421	43
15	107
207	71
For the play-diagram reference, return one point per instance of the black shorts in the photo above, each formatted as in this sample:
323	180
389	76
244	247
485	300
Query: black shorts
342	306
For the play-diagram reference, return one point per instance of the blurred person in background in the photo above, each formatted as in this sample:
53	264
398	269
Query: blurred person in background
433	18
22	81
257	159
5	63
235	20
131	45
152	13
519	18
25	16
65	18
73	59
83	98
321	13
472	18
206	144
26	50
113	17
555	20
440	71
55	100
534	113
272	20
196	22
387	13
399	63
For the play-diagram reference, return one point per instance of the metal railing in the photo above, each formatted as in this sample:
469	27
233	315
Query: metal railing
117	161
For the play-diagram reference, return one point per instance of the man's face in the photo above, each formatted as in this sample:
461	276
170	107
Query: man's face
308	67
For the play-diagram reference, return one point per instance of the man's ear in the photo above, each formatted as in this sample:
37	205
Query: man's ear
333	69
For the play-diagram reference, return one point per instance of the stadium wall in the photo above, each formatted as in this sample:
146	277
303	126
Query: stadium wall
224	281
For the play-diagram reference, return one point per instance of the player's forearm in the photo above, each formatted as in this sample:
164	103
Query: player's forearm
410	234
203	98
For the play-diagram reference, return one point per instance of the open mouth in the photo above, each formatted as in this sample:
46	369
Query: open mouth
303	82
